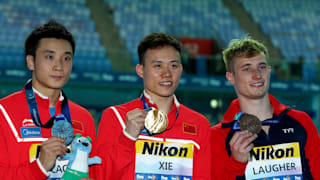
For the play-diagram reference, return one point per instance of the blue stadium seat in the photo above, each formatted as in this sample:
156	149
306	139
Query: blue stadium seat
19	17
179	18
201	66
291	25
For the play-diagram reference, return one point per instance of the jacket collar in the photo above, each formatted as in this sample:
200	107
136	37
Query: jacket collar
235	108
174	112
61	98
152	104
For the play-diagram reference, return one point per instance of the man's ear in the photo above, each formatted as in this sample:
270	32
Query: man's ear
30	62
230	77
139	70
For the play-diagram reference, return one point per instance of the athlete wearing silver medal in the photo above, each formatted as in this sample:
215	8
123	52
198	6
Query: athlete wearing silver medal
29	148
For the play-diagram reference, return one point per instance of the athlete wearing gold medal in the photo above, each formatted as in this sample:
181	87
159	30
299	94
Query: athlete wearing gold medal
174	145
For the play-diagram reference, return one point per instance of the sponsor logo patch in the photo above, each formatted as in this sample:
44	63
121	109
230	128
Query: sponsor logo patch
30	132
28	123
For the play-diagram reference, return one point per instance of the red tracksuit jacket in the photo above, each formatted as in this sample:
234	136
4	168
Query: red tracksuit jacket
18	149
189	127
294	127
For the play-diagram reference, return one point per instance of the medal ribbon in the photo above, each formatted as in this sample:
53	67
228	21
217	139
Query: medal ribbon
33	107
268	122
147	108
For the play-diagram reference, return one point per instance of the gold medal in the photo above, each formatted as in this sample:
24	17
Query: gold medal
156	121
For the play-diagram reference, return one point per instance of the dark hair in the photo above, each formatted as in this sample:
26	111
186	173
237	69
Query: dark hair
51	29
156	40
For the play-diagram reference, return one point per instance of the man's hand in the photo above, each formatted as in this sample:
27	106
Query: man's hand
241	144
50	150
135	122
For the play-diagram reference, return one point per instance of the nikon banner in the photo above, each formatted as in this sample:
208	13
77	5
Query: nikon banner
163	160
281	161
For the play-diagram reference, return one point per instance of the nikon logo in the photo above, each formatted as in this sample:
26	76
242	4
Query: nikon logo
161	150
268	153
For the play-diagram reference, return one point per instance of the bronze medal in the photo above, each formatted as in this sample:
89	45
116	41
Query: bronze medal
251	123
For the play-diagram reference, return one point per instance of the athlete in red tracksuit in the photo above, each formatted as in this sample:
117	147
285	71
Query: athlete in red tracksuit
189	126
226	167
18	151
28	150
182	151
288	145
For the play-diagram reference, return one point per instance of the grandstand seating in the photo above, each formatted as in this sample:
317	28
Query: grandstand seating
291	25
19	17
180	18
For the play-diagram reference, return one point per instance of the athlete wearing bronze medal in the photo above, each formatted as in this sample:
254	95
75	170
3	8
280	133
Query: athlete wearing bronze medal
169	139
284	145
30	144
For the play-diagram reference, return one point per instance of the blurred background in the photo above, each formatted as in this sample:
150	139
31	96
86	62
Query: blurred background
107	33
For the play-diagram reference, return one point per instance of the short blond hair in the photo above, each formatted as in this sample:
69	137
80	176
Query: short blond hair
246	47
